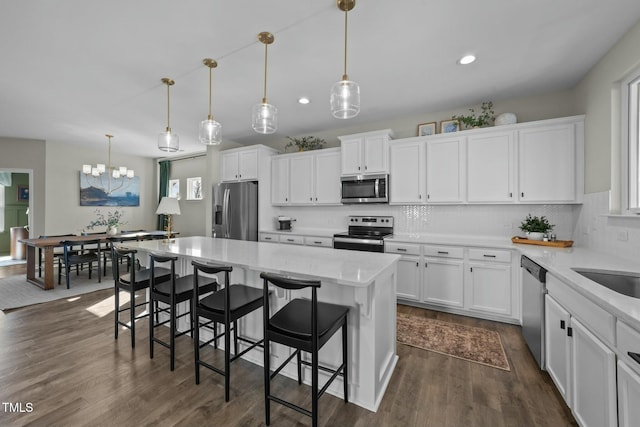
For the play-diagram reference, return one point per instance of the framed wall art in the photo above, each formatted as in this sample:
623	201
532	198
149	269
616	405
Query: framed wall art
174	188
109	191
447	126
23	193
425	129
194	188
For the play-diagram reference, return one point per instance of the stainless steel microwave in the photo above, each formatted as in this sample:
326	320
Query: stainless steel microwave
365	189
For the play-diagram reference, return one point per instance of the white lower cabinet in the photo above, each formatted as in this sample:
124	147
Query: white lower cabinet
582	367
628	396
408	282
443	282
489	281
296	239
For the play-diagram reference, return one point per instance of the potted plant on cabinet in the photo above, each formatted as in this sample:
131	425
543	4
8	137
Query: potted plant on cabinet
536	227
306	143
485	118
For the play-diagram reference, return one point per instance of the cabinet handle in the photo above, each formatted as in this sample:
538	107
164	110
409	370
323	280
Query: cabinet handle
358	167
311	199
240	176
289	240
236	175
267	238
401	250
419	196
316	199
488	256
365	168
562	324
521	194
471	269
510	195
418	264
569	331
428	196
317	243
634	356
426	265
286	199
443	252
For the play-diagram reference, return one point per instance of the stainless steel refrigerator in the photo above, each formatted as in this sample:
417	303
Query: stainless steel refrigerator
235	210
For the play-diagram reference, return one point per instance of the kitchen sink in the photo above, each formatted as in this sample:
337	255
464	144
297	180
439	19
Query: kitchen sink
622	283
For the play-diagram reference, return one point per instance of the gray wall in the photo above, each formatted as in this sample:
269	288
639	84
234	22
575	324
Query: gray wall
192	218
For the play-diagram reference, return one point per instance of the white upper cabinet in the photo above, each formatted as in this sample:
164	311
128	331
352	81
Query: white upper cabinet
309	178
327	176
239	165
445	169
365	153
407	171
551	162
490	167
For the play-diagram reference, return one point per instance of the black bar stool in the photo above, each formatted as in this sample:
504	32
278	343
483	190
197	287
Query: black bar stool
172	292
132	282
225	306
305	325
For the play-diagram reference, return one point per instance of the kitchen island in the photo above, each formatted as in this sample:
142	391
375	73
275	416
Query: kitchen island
364	281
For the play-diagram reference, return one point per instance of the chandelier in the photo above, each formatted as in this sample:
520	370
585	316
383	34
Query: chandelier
106	178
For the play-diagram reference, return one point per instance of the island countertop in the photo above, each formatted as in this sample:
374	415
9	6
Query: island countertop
352	268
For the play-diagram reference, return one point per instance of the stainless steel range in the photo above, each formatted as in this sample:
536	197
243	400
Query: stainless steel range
366	233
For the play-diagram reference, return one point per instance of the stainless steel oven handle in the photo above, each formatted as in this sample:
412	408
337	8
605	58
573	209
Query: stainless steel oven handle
374	242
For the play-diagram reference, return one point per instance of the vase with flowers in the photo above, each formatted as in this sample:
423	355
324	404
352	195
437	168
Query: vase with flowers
113	221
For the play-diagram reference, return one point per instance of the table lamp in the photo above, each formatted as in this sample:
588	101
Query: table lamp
168	206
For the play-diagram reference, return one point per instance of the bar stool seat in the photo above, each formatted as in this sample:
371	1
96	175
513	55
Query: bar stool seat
171	293
225	306
305	325
132	282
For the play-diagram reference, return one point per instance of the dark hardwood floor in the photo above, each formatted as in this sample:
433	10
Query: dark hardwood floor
61	358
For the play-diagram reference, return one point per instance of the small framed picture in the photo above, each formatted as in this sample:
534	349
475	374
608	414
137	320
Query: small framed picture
194	188
23	193
425	129
174	188
447	126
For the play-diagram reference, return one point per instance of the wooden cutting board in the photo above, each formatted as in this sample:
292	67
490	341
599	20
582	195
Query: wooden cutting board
557	243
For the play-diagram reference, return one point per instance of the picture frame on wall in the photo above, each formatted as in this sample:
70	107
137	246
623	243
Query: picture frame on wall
23	193
194	188
448	126
174	188
426	129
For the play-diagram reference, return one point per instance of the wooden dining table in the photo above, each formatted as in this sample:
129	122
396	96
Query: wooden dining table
48	244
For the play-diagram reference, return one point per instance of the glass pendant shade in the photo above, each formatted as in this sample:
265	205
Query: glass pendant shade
345	99
210	132
264	118
168	141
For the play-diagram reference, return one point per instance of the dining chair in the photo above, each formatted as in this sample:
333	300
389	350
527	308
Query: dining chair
105	249
132	282
56	253
80	257
171	293
226	306
305	325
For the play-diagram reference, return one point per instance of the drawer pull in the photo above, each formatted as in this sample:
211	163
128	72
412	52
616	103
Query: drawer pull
569	331
290	240
443	252
401	250
562	324
317	243
488	256
267	238
634	356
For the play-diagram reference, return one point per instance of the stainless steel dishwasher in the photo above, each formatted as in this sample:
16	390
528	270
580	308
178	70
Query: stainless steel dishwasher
533	292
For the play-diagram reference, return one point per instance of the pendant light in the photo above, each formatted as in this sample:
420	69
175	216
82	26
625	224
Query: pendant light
264	117
168	141
210	130
345	94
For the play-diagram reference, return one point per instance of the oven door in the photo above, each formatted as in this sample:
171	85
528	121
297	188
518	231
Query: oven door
357	244
365	189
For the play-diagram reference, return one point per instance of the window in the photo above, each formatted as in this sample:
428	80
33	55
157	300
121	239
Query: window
1	208
630	93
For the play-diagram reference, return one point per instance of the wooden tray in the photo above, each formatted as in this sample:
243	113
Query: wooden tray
557	243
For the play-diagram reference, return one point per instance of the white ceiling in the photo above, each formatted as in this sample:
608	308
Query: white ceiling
73	70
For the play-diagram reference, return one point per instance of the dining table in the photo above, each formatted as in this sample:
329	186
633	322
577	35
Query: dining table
48	244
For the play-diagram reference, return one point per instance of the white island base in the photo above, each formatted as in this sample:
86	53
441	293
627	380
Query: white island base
364	281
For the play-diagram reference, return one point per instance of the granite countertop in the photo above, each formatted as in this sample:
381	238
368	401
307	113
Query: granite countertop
359	269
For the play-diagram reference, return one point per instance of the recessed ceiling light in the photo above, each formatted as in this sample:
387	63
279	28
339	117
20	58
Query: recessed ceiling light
304	100
467	59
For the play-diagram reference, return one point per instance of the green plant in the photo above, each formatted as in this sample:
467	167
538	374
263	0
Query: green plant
535	224
113	219
306	143
485	118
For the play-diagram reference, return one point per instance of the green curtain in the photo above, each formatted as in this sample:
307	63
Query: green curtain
165	168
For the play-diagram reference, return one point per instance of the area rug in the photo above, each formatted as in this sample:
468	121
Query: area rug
16	292
473	344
